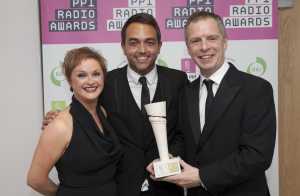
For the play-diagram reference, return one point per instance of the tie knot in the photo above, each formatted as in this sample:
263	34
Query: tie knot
208	83
143	80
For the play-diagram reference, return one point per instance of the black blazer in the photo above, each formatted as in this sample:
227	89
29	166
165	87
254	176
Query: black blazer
135	132
237	142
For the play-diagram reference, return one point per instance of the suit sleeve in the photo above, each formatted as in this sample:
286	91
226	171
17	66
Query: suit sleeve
176	140
107	97
255	150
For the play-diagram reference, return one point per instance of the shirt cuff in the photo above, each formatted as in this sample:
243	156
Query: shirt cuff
201	182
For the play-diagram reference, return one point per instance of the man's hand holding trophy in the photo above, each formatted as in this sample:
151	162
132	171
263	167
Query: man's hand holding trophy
165	166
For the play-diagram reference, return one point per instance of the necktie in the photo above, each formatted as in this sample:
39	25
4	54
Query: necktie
145	95
210	96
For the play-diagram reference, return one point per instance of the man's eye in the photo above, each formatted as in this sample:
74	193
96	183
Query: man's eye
132	43
213	38
195	41
151	43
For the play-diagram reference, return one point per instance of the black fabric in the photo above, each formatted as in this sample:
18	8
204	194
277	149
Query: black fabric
135	131
88	166
145	94
237	142
210	96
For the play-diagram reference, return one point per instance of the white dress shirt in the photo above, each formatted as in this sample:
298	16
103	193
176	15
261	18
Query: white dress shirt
136	90
136	86
216	78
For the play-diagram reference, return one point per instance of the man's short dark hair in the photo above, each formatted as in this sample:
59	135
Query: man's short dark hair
142	18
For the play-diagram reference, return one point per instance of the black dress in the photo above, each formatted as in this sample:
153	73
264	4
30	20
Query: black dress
88	166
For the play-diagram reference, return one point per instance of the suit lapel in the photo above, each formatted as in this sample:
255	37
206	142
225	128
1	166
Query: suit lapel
161	94
126	98
193	108
162	91
226	93
126	88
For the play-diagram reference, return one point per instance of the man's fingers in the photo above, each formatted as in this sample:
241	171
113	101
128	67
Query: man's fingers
50	116
150	168
183	164
173	178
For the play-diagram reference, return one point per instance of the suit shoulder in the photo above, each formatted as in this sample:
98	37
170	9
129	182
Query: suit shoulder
252	79
170	72
253	84
114	74
193	83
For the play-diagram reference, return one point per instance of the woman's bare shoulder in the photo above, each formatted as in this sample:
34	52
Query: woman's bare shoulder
62	125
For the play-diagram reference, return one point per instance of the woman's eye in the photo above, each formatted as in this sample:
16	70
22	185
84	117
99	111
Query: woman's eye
97	74
81	75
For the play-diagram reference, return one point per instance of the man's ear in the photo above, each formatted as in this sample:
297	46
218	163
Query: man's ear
123	48
225	43
159	45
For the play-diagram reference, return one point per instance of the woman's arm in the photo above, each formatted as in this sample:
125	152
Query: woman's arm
52	144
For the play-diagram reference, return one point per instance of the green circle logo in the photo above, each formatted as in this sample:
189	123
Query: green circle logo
58	105
258	67
56	76
161	62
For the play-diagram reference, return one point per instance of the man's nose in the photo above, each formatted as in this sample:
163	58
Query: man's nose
142	48
204	45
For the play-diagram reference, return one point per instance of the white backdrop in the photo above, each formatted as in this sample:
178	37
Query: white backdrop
21	105
252	40
21	98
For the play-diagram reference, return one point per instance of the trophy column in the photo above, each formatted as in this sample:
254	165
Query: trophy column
157	116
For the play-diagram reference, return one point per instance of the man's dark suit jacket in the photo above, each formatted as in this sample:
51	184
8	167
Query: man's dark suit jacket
237	142
135	132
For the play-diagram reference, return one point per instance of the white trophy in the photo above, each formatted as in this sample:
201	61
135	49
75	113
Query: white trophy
157	116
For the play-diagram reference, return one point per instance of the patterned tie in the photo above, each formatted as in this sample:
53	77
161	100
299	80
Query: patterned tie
210	96
145	96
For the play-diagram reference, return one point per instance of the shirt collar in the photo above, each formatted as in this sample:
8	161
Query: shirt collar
134	76
218	75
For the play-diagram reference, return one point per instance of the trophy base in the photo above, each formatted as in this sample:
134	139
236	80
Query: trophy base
166	168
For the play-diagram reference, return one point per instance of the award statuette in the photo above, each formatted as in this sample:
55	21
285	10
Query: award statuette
157	117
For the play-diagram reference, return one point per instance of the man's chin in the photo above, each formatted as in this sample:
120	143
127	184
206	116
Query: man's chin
142	68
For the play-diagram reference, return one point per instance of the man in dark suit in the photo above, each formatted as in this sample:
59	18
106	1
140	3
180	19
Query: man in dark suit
123	99
228	119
